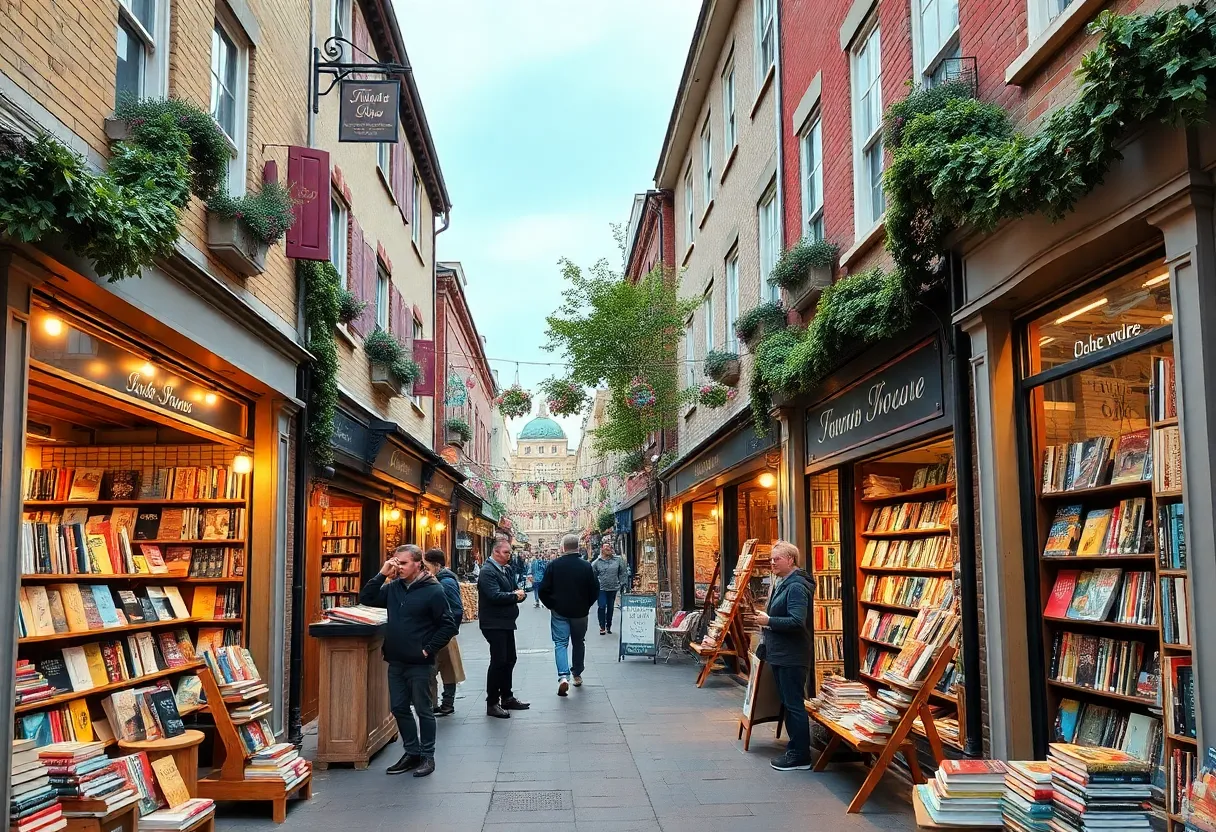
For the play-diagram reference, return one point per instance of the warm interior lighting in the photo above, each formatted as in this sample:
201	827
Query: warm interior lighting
242	463
325	522
394	514
1045	340
440	526
1153	281
209	398
1086	308
52	326
147	370
671	515
423	521
1167	318
714	513
767	480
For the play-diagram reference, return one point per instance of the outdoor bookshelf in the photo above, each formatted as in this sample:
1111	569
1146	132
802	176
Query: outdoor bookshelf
824	566
727	634
341	556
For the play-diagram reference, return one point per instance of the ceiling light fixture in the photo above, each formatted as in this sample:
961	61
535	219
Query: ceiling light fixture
1153	281
52	326
242	463
1086	308
767	480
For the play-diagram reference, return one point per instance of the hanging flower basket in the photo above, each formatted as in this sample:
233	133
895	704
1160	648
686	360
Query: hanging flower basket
514	402
640	395
565	398
723	367
714	395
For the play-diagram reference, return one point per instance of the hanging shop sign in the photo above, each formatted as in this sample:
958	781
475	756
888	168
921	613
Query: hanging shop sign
67	349
399	464
638	617
440	486
349	436
895	397
488	512
739	447
369	111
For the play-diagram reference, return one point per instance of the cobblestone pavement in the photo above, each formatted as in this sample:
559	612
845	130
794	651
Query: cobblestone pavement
637	748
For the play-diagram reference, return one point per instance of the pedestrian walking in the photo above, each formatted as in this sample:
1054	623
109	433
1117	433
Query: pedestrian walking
537	568
447	660
568	589
498	599
611	572
419	626
520	570
786	645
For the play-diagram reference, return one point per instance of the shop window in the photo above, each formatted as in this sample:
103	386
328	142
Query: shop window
706	546
758	511
1107	507
823	564
229	97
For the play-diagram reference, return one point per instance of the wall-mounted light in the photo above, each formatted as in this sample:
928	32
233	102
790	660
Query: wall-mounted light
423	520
242	463
147	370
209	398
767	480
394	514
713	513
52	326
325	522
671	515
440	526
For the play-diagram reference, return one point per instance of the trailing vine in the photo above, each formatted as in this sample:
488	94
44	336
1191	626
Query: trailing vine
266	213
322	283
956	162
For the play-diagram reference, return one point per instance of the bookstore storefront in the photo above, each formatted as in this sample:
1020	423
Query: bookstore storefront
883	519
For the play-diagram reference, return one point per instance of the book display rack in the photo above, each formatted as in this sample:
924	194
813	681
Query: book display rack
727	634
824	566
341	555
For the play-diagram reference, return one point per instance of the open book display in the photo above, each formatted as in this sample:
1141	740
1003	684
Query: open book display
727	634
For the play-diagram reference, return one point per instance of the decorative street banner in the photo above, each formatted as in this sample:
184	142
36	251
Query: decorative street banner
424	357
638	617
370	111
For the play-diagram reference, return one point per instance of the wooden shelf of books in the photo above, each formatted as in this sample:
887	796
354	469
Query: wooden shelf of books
1114	572
907	545
133	562
341	557
824	566
746	594
247	764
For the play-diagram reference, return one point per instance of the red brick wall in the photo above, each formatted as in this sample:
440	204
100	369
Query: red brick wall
455	351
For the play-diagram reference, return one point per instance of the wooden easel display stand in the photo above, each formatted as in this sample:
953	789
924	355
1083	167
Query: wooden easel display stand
899	741
227	779
732	641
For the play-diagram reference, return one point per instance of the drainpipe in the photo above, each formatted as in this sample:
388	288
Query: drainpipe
295	727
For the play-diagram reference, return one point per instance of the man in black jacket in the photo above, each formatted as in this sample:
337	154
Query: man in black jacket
498	600
787	648
568	589
419	625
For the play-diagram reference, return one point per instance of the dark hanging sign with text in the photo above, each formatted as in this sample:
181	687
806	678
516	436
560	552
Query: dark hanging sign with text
904	393
370	111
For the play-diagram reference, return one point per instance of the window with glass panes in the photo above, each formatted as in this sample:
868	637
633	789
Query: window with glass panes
707	161
812	181
766	38
730	129
707	315
337	237
690	355
732	300
935	25
228	101
770	243
867	120
137	27
416	211
382	281
690	233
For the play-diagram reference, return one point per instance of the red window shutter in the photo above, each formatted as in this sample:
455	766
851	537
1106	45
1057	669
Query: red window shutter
354	270
369	276
396	309
308	180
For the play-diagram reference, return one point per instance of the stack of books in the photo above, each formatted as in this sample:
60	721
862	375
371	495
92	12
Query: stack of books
178	817
1027	803
281	761
32	686
965	793
81	771
840	700
1098	788
1200	809
235	672
33	803
875	721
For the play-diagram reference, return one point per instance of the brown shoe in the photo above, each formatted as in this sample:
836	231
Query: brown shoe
578	681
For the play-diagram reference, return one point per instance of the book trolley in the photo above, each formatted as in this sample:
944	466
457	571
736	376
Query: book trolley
727	632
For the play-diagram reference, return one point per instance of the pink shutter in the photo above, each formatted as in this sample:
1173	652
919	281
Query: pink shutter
424	354
370	278
396	313
354	270
308	180
407	176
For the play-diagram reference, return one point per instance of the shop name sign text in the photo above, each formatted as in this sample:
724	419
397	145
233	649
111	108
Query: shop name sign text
1091	344
369	111
903	393
161	394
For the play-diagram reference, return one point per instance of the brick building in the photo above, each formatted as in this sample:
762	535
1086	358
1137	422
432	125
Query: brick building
465	385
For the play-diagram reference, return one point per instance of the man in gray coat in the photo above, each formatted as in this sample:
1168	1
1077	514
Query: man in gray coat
613	574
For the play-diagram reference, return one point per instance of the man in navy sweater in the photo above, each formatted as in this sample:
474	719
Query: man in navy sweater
419	625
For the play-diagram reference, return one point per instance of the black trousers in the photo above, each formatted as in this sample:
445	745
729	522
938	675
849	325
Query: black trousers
791	685
502	664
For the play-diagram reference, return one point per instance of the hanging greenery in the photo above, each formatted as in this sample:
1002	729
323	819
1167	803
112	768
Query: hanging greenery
956	162
760	320
793	267
322	283
126	216
383	349
349	306
514	402
459	427
565	397
605	521
266	213
721	365
632	462
641	395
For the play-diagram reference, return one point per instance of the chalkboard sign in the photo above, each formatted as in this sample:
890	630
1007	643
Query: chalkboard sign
638	617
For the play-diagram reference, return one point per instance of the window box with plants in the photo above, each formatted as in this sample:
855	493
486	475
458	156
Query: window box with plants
241	230
760	321
804	270
459	432
723	367
391	370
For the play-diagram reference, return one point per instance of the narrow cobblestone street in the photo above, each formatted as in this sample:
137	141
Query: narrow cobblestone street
637	748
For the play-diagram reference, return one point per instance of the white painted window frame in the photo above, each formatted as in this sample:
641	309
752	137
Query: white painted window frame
707	159
238	145
731	288
864	213
730	121
924	63
768	226
810	155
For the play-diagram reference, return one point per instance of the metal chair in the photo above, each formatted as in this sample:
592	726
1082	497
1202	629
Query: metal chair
675	636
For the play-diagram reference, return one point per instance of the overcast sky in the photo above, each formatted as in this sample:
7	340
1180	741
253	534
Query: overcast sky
547	116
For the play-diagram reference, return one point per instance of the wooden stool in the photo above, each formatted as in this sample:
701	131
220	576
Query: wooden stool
125	819
182	748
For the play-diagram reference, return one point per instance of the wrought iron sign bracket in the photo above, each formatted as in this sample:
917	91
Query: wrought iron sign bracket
334	50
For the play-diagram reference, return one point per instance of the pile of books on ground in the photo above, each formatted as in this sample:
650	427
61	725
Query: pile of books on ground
1027	804
357	614
1097	789
33	802
281	761
965	793
840	700
81	771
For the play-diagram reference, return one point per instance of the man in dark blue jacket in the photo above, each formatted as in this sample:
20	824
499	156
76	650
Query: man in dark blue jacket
498	600
419	625
448	662
787	648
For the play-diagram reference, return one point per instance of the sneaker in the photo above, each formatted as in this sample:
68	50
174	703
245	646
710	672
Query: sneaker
496	710
609	631
408	762
602	631
445	709
562	686
427	767
513	704
578	681
789	761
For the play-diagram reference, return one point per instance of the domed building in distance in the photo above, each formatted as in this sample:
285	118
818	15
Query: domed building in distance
542	454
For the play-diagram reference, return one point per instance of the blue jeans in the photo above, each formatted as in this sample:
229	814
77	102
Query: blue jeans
607	602
791	684
564	630
536	592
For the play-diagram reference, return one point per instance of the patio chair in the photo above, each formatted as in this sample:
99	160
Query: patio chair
674	637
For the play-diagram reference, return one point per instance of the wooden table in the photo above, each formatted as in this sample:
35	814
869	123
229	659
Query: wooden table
182	748
355	718
81	818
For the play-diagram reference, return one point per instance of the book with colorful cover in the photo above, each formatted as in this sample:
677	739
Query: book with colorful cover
1132	457
1065	532
1093	602
1062	593
1093	536
86	484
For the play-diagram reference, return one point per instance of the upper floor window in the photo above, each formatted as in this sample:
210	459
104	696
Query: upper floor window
732	300
730	128
553	449
337	237
770	242
143	31
229	96
540	449
812	180
690	356
384	159
707	315
416	211
934	36
766	39
382	282
690	220
707	162
867	130
528	451
1041	13
416	330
